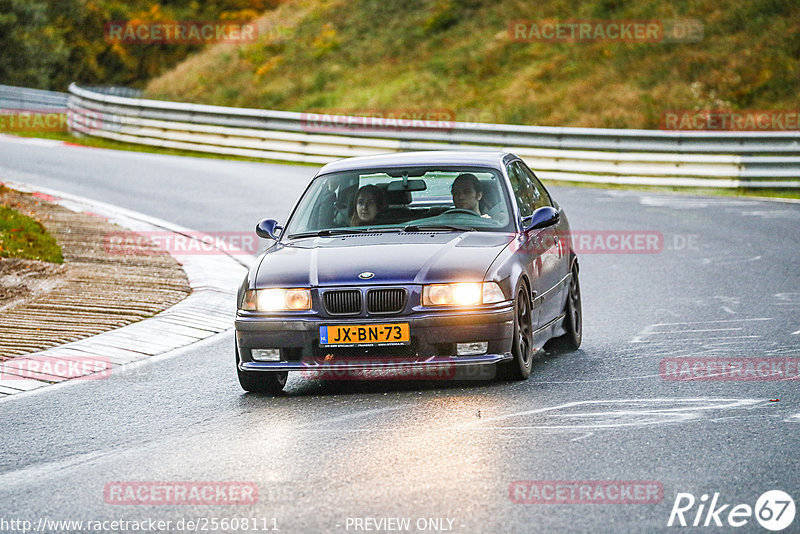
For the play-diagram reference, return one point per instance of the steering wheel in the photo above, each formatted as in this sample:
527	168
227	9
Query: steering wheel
461	210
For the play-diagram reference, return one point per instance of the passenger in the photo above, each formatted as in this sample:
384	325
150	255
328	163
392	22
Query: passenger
369	203
467	193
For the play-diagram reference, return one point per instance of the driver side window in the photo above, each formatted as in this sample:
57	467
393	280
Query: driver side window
525	192
542	198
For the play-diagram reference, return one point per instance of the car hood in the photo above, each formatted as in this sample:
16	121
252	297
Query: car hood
394	258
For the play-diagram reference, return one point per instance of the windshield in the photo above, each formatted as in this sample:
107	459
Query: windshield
458	198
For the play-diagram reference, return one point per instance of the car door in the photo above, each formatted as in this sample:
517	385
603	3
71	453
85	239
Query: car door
541	249
560	236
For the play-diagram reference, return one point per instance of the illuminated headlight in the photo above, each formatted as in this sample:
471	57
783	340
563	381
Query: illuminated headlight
462	294
277	300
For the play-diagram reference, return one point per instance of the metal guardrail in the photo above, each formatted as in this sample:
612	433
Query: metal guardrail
128	92
617	156
23	98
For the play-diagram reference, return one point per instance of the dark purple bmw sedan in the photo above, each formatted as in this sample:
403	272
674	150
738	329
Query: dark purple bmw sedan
416	260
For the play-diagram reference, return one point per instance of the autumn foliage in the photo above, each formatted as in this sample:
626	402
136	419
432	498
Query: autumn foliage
50	43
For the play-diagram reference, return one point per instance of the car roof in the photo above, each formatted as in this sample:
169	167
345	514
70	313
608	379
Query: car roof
407	159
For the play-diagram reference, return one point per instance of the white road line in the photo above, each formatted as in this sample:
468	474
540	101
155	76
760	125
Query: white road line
706	338
36	472
31	140
652	329
728	310
691	406
701	339
716	344
620	379
795	333
353	415
728	261
646	331
699	330
717	321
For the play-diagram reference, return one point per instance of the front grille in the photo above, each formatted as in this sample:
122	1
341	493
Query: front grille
346	302
386	300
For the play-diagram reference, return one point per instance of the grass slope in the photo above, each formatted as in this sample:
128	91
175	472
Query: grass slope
339	55
24	237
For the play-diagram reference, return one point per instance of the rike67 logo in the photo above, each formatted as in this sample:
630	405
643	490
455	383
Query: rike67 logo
774	510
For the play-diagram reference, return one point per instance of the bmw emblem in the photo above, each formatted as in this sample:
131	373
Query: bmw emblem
366	275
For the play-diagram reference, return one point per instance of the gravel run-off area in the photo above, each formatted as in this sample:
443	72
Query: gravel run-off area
96	289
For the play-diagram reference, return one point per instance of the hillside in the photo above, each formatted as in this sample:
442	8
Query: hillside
50	43
357	55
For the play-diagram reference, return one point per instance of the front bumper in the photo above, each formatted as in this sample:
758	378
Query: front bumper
440	362
434	335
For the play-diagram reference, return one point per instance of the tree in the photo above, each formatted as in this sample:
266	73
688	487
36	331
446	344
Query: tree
31	47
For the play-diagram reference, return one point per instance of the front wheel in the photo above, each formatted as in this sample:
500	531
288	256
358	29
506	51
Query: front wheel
271	382
520	367
573	320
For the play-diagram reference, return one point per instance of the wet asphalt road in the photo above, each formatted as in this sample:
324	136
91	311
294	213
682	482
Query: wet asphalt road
328	455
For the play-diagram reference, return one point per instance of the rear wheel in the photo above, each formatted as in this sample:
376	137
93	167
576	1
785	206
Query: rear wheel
519	368
573	320
271	382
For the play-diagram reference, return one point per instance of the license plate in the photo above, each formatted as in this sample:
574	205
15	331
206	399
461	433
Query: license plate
367	335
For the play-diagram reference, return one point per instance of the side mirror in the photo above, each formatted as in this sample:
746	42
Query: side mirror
542	218
269	229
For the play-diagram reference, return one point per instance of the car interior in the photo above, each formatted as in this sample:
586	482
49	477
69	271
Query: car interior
400	206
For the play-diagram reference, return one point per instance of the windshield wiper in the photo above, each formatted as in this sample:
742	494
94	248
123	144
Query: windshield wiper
341	231
424	227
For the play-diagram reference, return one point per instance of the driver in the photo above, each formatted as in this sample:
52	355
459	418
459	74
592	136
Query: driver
467	193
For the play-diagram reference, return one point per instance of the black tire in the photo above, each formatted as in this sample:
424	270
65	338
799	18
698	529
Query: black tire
271	382
520	367
573	322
